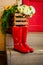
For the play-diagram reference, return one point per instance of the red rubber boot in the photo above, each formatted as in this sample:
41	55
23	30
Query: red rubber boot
17	37
24	35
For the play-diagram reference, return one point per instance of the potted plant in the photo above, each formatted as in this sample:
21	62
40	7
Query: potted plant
9	11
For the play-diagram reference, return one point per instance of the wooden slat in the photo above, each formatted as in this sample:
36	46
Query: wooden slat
18	20
18	14
21	23
22	19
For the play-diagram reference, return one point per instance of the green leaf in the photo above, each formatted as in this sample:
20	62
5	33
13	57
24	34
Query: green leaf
5	17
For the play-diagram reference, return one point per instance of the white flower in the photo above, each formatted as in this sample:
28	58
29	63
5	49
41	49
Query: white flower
31	15
27	10
32	9
20	9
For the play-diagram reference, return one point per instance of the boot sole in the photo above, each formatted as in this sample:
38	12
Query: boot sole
31	51
20	51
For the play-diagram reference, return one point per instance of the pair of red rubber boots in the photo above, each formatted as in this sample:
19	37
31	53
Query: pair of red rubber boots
19	34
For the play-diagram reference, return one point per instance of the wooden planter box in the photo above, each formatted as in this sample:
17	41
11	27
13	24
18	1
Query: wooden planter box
17	19
20	19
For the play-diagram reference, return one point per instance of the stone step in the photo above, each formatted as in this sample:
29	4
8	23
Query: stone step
16	58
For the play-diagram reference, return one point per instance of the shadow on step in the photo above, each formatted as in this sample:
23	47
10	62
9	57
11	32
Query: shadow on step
3	58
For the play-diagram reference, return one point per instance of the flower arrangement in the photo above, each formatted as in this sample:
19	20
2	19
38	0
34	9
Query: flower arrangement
9	10
27	10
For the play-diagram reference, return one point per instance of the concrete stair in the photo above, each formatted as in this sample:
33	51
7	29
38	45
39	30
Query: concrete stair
35	40
16	58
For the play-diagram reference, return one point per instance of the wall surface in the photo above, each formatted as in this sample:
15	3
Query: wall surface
4	3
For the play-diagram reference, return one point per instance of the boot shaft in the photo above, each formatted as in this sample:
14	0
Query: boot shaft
24	33
17	33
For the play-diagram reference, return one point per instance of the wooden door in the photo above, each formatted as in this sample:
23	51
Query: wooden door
2	40
36	22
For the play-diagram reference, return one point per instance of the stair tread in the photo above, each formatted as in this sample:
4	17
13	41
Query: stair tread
16	58
35	51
